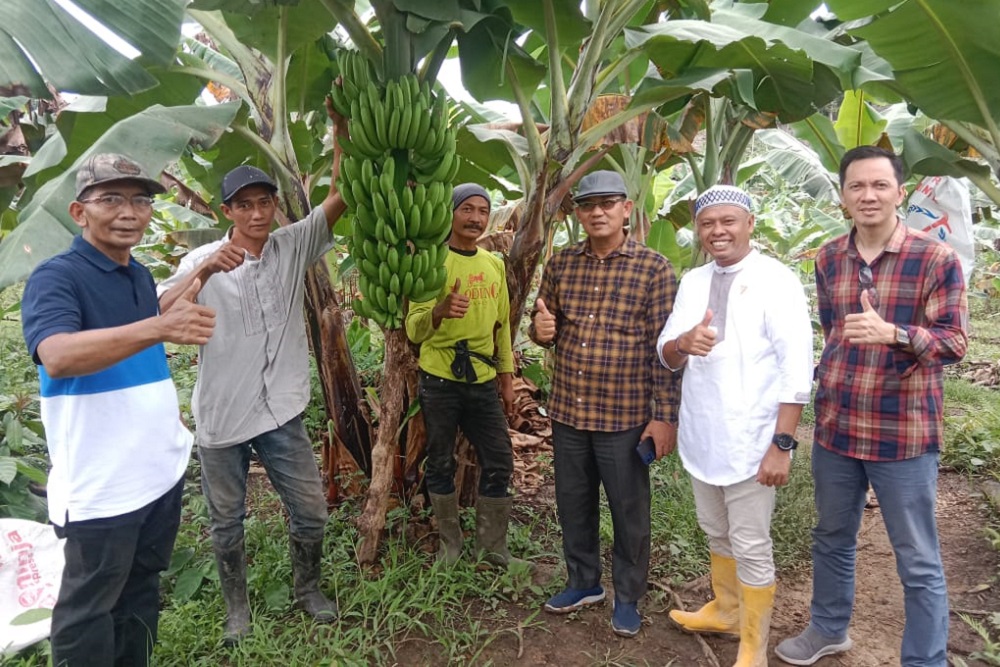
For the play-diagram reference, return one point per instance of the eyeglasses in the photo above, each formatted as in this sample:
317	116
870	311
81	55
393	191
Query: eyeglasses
605	204
867	282
114	201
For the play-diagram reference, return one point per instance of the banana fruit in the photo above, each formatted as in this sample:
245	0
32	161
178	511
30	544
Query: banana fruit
396	177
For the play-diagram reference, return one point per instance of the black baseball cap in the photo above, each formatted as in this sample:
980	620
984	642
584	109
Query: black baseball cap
244	176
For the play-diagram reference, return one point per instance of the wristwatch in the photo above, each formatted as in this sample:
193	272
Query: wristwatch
785	442
902	338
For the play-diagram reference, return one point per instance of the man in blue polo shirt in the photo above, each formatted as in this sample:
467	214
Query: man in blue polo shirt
117	445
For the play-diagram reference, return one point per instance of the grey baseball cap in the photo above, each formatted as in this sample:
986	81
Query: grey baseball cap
106	167
242	177
599	183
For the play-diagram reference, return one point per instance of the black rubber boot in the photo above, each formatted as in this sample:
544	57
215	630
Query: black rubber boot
449	529
305	572
232	564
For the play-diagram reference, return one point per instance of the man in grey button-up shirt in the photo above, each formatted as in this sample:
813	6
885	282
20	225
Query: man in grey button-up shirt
253	379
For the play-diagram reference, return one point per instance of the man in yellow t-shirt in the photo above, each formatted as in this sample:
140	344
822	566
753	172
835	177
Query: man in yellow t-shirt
465	345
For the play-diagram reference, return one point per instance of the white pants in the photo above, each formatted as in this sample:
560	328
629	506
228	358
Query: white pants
737	520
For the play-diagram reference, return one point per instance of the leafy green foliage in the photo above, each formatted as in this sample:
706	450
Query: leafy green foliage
23	462
367	349
974	442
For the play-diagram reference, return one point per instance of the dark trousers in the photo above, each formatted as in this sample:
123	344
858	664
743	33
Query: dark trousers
583	461
109	600
476	409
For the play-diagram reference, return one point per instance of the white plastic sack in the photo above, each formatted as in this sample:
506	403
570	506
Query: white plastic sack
31	565
942	207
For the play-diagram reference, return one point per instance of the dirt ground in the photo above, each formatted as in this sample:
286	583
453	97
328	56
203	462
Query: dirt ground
585	638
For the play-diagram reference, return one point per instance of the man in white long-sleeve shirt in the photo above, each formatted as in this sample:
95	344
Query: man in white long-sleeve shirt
740	331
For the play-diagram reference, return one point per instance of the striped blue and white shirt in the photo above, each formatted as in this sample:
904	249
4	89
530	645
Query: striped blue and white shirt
115	438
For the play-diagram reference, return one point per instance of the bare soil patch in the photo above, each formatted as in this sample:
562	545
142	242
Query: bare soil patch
525	637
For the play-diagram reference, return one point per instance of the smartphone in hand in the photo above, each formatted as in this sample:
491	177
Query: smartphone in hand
646	450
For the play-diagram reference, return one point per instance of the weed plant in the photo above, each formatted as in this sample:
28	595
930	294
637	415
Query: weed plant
989	631
407	603
972	428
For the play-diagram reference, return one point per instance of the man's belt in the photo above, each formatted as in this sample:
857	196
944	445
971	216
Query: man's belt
462	366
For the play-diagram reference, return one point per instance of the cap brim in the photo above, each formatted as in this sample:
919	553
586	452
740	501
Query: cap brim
590	195
155	187
244	186
152	187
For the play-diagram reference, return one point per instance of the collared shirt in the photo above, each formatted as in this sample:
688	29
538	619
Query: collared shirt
608	312
486	325
253	374
115	438
730	398
875	402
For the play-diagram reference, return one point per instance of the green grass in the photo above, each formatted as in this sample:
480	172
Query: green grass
678	549
407	597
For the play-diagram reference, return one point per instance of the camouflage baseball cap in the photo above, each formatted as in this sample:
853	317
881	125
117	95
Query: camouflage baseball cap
107	167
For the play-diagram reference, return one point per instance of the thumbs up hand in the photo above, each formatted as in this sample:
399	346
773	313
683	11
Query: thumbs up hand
191	293
454	306
868	327
700	339
187	322
866	301
544	321
225	259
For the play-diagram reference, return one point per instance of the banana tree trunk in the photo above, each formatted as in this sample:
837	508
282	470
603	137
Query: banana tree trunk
387	464
526	249
338	376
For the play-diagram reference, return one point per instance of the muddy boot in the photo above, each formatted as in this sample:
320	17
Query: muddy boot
449	529
232	564
305	572
492	517
756	603
721	615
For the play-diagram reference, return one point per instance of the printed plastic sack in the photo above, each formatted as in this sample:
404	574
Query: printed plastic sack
941	206
31	565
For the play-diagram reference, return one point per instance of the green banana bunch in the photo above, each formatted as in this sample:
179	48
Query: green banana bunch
355	73
396	178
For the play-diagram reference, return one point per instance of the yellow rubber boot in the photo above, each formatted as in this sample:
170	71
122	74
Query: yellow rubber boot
756	603
721	615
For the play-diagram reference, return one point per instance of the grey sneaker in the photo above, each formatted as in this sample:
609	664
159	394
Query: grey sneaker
810	646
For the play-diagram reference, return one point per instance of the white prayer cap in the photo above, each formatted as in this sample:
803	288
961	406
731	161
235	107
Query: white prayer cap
723	194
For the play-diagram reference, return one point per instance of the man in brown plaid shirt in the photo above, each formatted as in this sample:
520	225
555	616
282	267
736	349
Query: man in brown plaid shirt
602	303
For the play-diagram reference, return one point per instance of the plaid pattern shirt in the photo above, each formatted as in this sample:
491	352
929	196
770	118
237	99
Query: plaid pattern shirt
875	402
608	314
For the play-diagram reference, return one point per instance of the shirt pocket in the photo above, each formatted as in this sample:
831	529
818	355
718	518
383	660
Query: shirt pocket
625	314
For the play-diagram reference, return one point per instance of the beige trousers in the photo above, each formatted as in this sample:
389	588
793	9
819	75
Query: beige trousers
737	521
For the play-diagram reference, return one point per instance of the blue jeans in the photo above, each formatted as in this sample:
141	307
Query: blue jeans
448	405
109	600
287	456
906	491
584	460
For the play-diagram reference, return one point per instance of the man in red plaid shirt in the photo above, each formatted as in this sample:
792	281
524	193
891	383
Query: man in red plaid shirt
893	308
